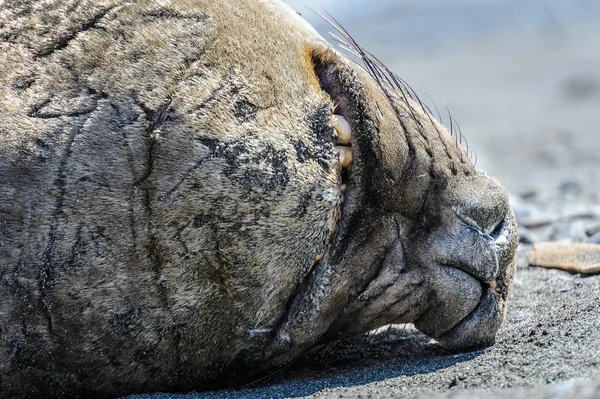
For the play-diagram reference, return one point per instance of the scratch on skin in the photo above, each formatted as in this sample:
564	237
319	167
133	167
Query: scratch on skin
64	41
46	273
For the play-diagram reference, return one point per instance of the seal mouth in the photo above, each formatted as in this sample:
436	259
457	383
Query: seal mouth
483	307
479	327
345	144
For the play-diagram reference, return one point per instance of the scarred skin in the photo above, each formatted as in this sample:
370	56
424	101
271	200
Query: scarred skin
168	179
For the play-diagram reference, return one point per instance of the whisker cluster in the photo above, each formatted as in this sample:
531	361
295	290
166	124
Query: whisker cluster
383	75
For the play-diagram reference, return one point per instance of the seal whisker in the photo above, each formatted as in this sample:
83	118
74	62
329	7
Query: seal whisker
452	132
380	72
470	150
377	70
457	137
387	332
365	340
337	26
439	115
273	372
427	110
400	83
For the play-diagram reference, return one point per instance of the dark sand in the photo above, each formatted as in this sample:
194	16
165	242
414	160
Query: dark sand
524	83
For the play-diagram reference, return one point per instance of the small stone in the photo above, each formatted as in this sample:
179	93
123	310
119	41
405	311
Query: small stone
579	214
526	237
538	220
581	258
528	195
581	87
570	187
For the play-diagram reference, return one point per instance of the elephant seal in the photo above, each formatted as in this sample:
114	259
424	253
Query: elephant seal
193	193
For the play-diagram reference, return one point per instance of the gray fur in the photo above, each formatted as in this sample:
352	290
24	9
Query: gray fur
167	178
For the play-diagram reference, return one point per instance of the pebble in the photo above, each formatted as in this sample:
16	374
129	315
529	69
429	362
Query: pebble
525	237
570	187
580	214
581	87
537	220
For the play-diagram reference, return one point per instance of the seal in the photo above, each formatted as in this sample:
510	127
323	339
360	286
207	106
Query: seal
193	193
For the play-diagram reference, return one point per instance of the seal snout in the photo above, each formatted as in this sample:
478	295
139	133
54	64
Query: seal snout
468	251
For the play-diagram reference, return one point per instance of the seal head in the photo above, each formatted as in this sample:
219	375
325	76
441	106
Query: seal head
423	237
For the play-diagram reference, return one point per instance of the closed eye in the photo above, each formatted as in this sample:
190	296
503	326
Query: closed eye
470	223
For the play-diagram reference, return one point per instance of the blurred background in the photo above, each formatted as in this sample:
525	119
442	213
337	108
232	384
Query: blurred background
522	78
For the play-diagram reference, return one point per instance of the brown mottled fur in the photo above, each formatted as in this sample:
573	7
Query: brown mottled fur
167	178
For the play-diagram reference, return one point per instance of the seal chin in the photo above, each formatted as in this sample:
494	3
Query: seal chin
468	320
479	328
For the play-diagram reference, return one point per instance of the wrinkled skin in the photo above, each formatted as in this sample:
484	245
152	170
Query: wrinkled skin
168	178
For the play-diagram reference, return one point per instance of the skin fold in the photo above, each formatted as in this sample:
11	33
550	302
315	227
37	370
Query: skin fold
174	214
